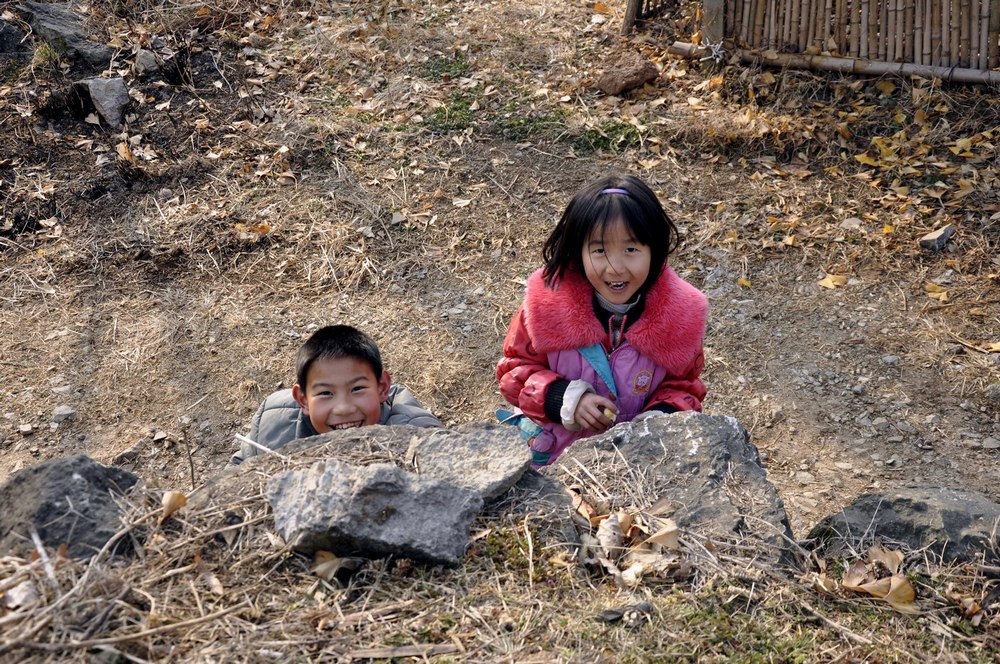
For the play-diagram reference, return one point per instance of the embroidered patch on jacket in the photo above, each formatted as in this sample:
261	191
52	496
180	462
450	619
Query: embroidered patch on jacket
643	381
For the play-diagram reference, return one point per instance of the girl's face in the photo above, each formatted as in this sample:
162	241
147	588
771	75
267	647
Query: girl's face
616	264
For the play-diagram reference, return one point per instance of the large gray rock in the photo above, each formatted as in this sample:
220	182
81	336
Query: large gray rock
429	479
701	470
488	458
68	501
957	525
108	96
63	28
372	511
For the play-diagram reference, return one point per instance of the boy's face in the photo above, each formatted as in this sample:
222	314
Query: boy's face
342	393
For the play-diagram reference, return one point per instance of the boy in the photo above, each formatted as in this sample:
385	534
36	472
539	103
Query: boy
340	384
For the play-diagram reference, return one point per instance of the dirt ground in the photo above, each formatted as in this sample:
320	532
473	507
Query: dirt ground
397	166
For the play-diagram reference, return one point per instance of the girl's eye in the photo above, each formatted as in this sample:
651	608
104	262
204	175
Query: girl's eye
599	251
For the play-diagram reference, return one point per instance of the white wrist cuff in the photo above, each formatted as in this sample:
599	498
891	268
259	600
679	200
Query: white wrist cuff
571	399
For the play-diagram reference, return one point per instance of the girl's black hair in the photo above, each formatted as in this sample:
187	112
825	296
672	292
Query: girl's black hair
333	342
593	209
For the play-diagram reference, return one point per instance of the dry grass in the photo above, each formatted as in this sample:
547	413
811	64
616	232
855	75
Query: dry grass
325	178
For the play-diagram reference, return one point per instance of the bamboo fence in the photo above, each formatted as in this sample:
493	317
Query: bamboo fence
931	34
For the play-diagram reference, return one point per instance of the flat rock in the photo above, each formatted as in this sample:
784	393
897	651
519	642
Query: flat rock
372	511
955	524
936	240
68	501
11	38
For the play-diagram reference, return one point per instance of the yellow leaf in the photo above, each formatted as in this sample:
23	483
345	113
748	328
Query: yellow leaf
832	281
327	565
901	595
743	281
601	8
863	158
891	559
172	501
790	240
940	297
921	118
856	576
932	287
887	229
667	536
885	87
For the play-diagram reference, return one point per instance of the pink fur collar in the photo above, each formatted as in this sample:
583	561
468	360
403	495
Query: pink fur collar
670	330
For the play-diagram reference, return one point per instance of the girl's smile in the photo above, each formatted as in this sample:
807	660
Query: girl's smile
615	263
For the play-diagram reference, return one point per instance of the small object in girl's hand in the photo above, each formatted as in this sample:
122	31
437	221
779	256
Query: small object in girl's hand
610	414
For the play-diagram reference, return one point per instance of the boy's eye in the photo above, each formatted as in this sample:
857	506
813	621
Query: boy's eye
359	388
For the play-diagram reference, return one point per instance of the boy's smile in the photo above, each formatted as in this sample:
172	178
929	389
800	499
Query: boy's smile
342	393
616	264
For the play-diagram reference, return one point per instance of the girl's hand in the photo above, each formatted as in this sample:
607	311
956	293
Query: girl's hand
590	413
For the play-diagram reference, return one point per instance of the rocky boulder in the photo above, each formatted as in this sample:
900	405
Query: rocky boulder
372	511
59	25
386	490
954	524
68	501
701	471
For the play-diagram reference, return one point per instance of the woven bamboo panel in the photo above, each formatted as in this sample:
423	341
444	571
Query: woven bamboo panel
938	33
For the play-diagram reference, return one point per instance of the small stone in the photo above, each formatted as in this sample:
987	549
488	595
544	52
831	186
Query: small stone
63	390
159	435
843	465
25	429
880	423
803	477
991	444
63	413
858	389
206	426
905	427
992	392
932	419
936	240
891	360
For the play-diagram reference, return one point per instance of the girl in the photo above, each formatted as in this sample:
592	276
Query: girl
607	331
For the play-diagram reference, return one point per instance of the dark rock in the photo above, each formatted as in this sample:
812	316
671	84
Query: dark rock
372	511
62	27
11	38
937	240
957	525
69	501
704	466
107	96
629	70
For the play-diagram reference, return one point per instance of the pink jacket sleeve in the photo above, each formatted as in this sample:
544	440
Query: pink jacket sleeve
524	375
684	392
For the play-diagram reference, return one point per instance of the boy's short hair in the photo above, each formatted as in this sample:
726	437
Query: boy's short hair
336	341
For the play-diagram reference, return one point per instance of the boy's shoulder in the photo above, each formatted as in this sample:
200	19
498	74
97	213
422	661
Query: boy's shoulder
402	407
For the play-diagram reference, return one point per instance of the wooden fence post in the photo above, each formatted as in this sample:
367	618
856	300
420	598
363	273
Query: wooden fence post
714	20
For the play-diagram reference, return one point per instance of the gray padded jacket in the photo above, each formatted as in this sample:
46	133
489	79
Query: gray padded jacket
279	420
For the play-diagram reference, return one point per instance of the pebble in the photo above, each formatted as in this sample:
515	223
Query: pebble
63	413
991	444
25	429
805	478
993	392
891	360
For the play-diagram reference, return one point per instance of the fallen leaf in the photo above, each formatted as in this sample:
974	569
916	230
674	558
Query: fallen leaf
743	281
461	202
172	501
667	536
327	565
832	281
901	595
610	537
